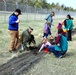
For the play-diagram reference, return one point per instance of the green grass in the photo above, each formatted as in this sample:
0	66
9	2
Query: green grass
5	38
49	65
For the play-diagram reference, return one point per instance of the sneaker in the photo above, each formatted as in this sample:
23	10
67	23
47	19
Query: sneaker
14	50
10	51
60	56
21	48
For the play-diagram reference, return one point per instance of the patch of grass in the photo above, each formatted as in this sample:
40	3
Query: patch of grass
49	65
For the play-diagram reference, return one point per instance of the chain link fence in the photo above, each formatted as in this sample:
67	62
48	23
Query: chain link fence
29	12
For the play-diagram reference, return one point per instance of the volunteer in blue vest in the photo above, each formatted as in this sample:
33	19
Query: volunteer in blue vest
61	45
13	26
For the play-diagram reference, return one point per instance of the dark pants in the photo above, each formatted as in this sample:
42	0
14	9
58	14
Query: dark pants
56	53
45	35
69	35
48	33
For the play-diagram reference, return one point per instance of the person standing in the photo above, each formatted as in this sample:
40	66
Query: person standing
13	26
46	30
49	18
68	24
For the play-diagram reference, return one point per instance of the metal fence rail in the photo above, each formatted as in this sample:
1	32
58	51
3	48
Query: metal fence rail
35	13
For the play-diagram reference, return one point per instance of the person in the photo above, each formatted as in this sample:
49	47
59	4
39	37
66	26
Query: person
61	45
26	38
68	25
13	26
49	18
60	26
44	43
46	30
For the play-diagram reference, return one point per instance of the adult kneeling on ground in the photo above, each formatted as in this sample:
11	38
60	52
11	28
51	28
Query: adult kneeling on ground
26	38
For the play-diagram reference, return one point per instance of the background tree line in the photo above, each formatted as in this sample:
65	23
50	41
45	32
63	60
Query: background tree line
43	4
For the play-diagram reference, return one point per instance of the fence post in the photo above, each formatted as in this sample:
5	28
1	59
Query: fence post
41	13
4	10
16	5
35	13
27	12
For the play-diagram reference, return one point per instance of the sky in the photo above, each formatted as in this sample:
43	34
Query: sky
68	3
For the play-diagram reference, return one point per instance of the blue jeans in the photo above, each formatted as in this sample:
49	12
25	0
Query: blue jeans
48	33
45	35
56	53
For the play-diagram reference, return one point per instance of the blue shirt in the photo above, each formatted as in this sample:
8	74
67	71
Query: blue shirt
49	18
12	25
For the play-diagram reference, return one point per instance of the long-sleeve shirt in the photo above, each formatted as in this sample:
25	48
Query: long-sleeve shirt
68	24
12	25
46	28
61	43
49	18
44	45
25	36
59	37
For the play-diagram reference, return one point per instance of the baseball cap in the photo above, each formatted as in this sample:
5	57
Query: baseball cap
18	10
30	27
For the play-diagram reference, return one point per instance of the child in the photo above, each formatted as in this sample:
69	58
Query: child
46	29
45	43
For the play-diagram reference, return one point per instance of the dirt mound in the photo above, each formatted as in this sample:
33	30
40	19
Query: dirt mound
16	65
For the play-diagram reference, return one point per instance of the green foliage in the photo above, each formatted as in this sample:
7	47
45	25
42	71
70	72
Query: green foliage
44	4
52	5
21	1
37	4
